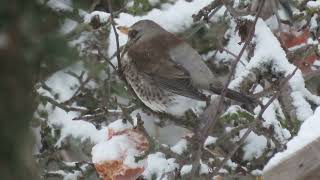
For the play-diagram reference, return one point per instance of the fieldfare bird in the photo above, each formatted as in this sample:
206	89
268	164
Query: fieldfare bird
165	72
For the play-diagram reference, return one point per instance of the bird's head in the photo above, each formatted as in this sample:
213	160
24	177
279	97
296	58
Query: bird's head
143	29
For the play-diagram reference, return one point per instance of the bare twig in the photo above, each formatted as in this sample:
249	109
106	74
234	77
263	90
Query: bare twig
204	12
209	123
275	7
61	105
113	24
245	135
81	87
248	40
257	119
108	59
140	127
229	52
90	117
234	12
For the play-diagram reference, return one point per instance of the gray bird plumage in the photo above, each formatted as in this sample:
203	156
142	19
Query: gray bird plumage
159	64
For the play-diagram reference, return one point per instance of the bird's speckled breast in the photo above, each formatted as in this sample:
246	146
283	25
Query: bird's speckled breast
145	89
155	98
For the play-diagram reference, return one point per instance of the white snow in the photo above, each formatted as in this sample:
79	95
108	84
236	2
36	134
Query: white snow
233	109
72	176
67	176
270	117
254	145
210	140
303	108
313	4
77	129
307	133
62	84
103	16
60	5
65	86
119	125
223	171
256	172
113	149
157	164
168	134
186	169
311	41
234	47
181	104
204	168
122	147
231	164
180	147
268	51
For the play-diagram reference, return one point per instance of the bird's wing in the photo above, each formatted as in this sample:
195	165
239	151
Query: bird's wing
192	62
154	62
180	86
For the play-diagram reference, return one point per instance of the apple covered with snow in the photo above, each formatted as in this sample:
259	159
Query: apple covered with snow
115	158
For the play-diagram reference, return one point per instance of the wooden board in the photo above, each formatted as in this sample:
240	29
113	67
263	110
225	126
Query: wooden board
304	164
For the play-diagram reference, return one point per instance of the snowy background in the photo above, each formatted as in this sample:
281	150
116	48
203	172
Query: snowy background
88	117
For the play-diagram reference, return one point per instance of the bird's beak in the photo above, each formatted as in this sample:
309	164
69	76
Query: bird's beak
124	29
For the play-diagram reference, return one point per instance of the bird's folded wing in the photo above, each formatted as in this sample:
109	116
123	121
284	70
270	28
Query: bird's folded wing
179	86
158	66
173	78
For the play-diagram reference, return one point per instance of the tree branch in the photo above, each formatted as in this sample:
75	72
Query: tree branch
208	123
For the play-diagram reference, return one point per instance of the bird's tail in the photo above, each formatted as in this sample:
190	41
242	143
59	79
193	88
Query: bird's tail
234	95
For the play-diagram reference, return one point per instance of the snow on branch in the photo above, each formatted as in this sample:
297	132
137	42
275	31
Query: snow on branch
270	62
88	108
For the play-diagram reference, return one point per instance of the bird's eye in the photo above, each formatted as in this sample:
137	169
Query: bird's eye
132	33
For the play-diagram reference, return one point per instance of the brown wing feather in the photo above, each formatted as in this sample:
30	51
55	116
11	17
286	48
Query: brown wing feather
154	62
